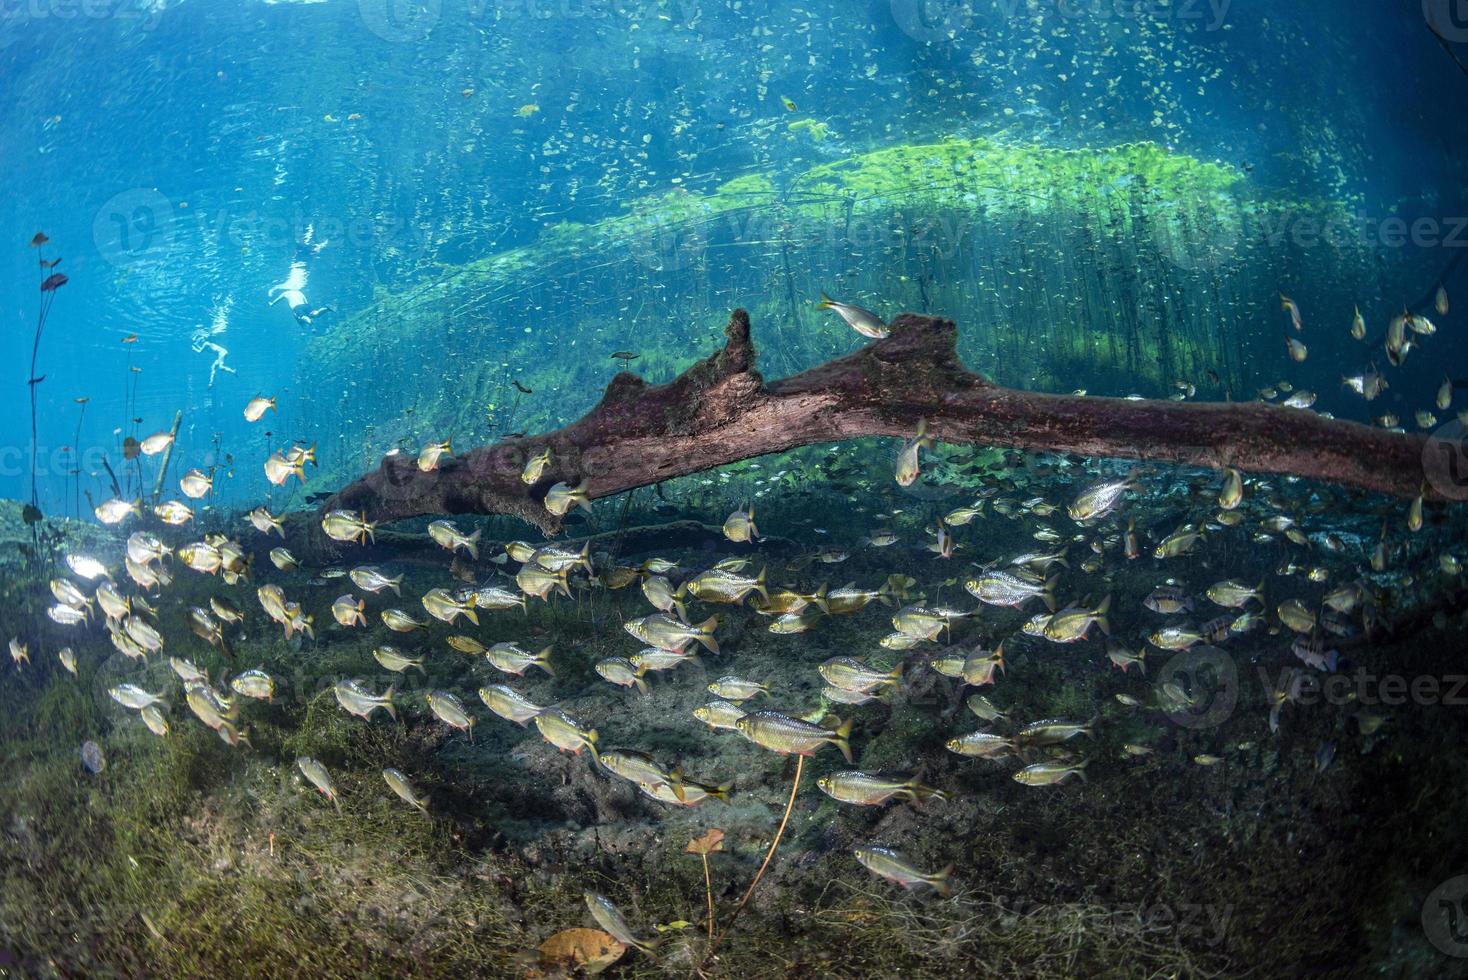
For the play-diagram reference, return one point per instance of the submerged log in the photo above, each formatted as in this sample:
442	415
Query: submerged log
721	411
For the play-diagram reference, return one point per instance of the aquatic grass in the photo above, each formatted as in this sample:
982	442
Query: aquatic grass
998	939
63	709
380	889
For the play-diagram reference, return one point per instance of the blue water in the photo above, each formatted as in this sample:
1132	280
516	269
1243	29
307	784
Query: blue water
177	153
300	200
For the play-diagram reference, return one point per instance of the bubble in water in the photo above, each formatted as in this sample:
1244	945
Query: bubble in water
92	758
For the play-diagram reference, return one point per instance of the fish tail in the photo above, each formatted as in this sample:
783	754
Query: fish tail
472	543
387	703
818	599
1101	618
720	792
826	302
396	584
1048	596
676	784
841	739
759	584
641	684
472	616
706	634
919	791
681	609
940	881
542	660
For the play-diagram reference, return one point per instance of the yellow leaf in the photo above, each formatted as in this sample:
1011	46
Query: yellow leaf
712	841
590	949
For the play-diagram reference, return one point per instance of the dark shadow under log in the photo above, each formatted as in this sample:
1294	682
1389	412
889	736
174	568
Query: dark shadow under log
720	411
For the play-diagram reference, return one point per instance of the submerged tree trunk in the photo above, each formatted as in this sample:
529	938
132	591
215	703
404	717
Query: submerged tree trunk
720	411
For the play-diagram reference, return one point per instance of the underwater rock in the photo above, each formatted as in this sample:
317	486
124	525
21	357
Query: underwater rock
93	761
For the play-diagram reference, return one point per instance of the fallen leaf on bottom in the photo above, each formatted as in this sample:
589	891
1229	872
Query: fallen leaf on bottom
590	949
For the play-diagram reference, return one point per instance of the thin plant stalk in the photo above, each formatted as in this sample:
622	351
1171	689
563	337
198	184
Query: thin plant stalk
49	285
76	458
789	806
708	887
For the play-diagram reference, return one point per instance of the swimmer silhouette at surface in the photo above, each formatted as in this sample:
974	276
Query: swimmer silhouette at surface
292	289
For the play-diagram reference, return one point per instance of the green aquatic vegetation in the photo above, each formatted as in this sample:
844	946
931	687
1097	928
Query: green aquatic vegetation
187	857
989	173
817	131
940	226
65	707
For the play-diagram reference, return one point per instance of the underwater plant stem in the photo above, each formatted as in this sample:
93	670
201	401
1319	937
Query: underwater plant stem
167	456
76	441
112	475
789	807
32	380
721	410
708	888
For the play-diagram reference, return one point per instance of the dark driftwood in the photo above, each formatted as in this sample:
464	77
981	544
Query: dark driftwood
720	411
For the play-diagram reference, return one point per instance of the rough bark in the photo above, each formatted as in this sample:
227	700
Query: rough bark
720	411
